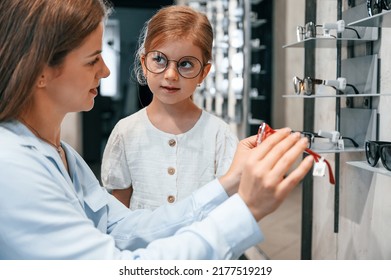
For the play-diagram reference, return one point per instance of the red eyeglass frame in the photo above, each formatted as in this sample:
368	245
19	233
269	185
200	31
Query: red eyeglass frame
265	130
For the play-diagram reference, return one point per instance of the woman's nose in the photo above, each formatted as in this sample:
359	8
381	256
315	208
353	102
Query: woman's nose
105	71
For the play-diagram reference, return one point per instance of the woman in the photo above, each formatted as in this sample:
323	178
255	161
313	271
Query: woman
51	205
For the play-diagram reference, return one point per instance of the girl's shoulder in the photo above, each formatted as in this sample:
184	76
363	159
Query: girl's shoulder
138	118
209	119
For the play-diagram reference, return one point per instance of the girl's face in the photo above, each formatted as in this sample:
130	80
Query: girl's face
169	87
72	87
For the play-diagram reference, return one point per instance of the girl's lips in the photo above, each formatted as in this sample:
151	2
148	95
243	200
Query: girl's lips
170	89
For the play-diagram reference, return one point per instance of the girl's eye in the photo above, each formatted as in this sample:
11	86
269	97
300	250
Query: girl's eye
92	63
159	59
186	64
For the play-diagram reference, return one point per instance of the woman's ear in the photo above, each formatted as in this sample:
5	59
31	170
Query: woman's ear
41	82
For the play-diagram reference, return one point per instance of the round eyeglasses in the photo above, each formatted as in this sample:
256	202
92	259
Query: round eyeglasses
188	67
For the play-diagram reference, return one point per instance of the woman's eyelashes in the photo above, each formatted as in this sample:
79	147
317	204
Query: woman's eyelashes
95	61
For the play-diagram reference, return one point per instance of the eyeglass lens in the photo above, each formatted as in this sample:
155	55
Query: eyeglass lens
376	6
305	32
375	150
188	66
304	86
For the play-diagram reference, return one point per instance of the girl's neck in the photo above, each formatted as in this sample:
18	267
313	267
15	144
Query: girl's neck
173	119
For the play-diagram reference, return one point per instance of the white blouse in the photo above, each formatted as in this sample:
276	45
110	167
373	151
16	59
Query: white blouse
163	167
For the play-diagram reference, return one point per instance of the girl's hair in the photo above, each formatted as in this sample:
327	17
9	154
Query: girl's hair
37	33
172	23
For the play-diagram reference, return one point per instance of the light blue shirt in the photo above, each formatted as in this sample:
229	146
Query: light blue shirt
48	213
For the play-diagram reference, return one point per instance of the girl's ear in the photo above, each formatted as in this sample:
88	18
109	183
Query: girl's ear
205	72
142	60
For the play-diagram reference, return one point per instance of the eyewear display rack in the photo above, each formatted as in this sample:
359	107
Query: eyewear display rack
238	87
357	109
381	20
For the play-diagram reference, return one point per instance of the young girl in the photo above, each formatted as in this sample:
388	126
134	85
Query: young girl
171	142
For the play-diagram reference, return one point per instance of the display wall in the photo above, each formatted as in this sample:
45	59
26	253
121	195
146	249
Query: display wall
350	220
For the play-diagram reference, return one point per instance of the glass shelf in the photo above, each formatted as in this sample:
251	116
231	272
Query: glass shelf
252	121
259	97
258	22
380	20
258	48
336	95
366	166
325	42
336	151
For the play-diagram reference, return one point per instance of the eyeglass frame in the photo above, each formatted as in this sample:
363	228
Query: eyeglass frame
312	135
312	82
380	145
177	64
309	30
306	31
375	7
265	130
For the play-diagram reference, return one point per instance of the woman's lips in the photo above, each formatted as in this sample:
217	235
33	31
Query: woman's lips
94	91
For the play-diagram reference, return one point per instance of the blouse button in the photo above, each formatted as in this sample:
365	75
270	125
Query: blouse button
171	199
171	170
171	142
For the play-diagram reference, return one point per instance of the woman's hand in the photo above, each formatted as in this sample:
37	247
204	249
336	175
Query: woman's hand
262	172
231	179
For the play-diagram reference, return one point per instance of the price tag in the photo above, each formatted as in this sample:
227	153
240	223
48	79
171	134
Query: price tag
341	144
319	168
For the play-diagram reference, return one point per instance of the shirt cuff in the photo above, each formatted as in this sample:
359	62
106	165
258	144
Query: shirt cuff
207	197
238	226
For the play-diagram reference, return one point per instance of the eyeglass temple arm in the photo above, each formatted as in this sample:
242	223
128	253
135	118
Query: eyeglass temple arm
355	144
354	88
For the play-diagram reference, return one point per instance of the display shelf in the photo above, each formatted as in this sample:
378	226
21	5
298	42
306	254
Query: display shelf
336	95
326	42
337	151
253	121
256	2
380	20
258	48
259	97
258	22
364	165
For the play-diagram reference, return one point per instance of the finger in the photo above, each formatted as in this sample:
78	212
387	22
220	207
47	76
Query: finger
270	142
289	157
249	142
279	151
295	177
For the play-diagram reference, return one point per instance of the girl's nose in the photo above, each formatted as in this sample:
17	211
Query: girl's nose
171	71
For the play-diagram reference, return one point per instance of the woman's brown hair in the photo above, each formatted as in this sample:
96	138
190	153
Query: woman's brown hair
38	33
